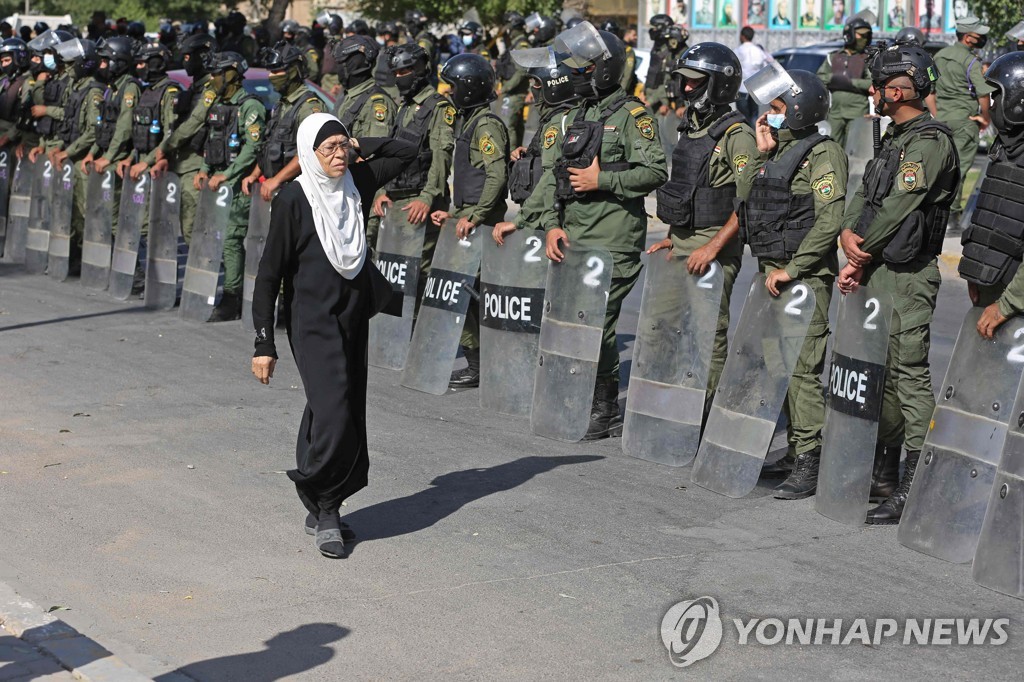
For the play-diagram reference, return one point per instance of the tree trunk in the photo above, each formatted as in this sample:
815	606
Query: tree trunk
274	19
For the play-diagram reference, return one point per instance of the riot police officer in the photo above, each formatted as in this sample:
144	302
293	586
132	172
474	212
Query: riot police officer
514	83
472	35
14	62
333	26
364	108
1016	35
298	36
892	232
382	72
910	35
416	22
540	30
601	202
425	119
49	113
181	151
232	38
158	110
845	73
277	158
234	128
710	170
480	176
994	243
791	220
658	71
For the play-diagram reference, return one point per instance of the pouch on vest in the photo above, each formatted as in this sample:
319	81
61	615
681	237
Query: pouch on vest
908	241
579	149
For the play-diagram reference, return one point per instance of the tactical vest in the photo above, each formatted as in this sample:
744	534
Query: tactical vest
355	107
53	96
147	128
279	140
582	144
526	171
921	232
183	107
994	243
10	99
506	68
845	68
688	200
413	179
656	71
468	182
223	137
775	221
110	109
71	126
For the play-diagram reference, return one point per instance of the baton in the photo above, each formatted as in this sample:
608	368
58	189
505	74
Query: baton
876	134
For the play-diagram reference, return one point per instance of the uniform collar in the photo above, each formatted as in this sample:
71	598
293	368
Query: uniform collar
360	88
900	128
424	94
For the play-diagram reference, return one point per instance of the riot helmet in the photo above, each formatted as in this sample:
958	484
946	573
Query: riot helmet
553	82
1007	75
910	36
416	21
118	54
573	21
853	27
905	60
540	30
17	50
676	37
471	34
414	62
805	96
471	79
227	69
658	23
513	20
1016	34
289	29
234	22
612	26
154	61
89	60
194	50
584	46
137	31
720	68
358	27
355	57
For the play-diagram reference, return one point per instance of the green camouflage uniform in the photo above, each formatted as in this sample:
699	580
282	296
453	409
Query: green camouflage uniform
849	99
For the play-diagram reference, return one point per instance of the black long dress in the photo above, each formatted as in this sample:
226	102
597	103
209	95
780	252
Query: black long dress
327	318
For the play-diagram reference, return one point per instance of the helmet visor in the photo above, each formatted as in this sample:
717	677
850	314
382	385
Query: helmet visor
71	50
44	40
769	83
582	44
533	22
535	57
1017	32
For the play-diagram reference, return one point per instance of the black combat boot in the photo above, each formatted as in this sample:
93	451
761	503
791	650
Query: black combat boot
886	474
780	468
605	418
138	281
230	308
803	481
890	511
469	376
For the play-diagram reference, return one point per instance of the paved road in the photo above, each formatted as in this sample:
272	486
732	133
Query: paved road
141	483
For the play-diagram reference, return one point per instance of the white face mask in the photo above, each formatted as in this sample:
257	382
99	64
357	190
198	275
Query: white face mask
50	62
380	41
776	121
467	41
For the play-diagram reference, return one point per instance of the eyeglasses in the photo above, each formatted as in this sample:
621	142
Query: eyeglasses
330	150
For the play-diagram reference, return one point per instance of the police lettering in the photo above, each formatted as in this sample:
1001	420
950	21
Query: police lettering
443	290
555	81
848	384
393	271
508	307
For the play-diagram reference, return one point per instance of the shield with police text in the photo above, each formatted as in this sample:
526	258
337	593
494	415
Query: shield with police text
512	278
18	209
957	466
399	252
96	239
7	162
853	405
860	149
162	243
205	253
134	207
37	243
60	222
575	302
753	387
671	360
446	298
999	557
255	241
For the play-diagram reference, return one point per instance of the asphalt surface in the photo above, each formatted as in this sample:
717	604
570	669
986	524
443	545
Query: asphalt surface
142	487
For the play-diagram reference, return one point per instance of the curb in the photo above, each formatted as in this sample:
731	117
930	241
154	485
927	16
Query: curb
84	658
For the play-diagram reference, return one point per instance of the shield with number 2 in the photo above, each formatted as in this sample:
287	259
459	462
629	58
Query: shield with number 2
60	223
37	244
96	246
162	245
752	390
957	466
18	210
202	271
853	405
7	163
512	278
255	241
671	359
399	252
134	208
575	303
446	298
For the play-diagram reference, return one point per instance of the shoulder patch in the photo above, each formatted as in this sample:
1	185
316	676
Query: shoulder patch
646	127
487	145
129	100
208	97
449	115
380	111
550	135
254	132
740	162
908	177
825	186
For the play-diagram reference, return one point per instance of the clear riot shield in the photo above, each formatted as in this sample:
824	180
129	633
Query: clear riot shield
134	206
37	243
18	210
575	302
96	239
671	360
60	222
255	241
972	200
399	251
752	389
435	340
954	476
512	278
860	149
202	271
162	244
853	405
999	557
7	161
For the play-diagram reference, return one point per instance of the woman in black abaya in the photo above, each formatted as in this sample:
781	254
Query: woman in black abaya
317	246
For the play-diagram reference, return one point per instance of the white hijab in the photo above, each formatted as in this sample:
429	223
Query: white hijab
337	207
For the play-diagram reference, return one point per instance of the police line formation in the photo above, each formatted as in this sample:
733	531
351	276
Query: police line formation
107	162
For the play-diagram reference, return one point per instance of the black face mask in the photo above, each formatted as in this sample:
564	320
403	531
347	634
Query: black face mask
84	69
194	65
408	85
36	68
980	43
10	69
583	85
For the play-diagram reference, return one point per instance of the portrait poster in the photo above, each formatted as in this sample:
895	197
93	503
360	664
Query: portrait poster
727	14
898	15
929	15
755	13
955	10
703	14
810	14
836	13
780	13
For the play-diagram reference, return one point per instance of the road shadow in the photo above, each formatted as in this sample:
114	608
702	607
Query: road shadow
449	493
23	662
74	318
286	654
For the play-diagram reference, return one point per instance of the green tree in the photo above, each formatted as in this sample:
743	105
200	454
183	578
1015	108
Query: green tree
1000	15
145	11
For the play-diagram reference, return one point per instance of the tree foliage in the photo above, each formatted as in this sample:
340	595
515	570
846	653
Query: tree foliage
999	15
451	11
145	11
